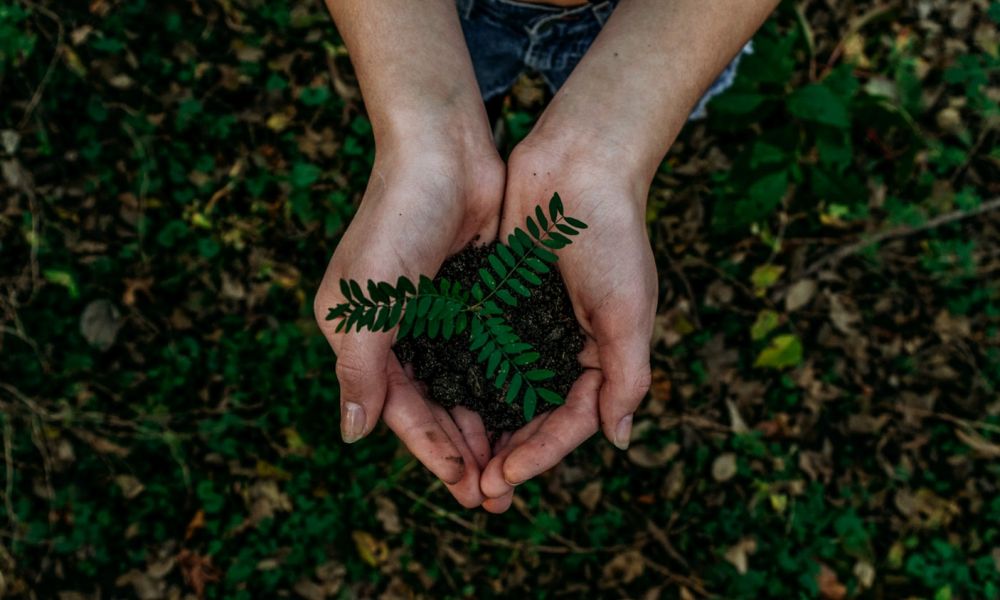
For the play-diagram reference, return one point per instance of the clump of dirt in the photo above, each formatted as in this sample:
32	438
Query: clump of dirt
450	371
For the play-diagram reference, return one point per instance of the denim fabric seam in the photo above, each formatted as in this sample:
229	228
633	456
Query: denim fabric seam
600	13
535	28
530	5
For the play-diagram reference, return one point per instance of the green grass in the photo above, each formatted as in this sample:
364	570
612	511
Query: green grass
193	164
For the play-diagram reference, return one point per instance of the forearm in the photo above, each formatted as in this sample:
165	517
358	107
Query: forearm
636	86
413	66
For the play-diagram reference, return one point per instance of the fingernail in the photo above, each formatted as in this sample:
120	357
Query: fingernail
352	422
510	481
623	432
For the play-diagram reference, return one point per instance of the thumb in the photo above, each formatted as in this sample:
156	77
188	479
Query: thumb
625	364
362	360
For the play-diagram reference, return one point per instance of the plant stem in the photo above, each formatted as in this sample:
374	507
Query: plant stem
517	264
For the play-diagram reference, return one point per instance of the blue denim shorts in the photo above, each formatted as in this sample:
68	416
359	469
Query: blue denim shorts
508	37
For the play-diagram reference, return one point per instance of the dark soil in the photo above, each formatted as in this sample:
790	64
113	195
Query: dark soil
449	368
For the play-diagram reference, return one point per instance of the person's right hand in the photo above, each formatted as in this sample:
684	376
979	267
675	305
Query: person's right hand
428	197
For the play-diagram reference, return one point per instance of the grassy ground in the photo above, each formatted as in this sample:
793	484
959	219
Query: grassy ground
825	415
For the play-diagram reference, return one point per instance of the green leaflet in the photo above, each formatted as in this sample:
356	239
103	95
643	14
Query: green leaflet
442	308
550	396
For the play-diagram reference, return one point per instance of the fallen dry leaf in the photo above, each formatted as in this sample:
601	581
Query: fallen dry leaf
800	294
829	586
980	445
591	494
724	467
865	572
737	423
738	554
197	570
100	323
624	568
644	456
372	550
387	515
130	486
143	585
197	522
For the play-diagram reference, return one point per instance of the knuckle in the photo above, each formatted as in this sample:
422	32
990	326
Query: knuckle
639	387
637	391
351	372
321	307
631	388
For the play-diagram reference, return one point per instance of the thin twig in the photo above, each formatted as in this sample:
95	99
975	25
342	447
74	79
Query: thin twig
488	539
800	18
663	539
523	509
27	340
902	231
855	26
140	149
37	96
971	154
687	287
948	417
8	456
690	582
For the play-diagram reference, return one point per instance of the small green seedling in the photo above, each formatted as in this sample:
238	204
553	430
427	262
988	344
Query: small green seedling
445	309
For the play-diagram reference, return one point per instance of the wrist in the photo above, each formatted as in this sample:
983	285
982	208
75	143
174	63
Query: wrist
455	164
603	140
571	157
455	134
455	114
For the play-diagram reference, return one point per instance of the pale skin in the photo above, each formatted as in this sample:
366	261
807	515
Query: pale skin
598	144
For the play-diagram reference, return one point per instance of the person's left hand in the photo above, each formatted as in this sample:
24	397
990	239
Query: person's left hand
610	274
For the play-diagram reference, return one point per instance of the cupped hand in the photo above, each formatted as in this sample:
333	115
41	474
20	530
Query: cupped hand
610	274
427	198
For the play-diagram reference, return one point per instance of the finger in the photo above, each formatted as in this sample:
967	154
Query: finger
625	364
499	505
492	483
361	365
410	417
569	426
502	442
470	426
361	373
465	490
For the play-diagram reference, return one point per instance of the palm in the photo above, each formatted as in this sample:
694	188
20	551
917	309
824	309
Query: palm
413	216
611	279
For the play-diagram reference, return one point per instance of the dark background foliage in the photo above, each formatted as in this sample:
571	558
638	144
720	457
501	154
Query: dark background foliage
824	419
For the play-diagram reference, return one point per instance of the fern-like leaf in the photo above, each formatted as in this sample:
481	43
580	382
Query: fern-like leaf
524	257
506	356
443	308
